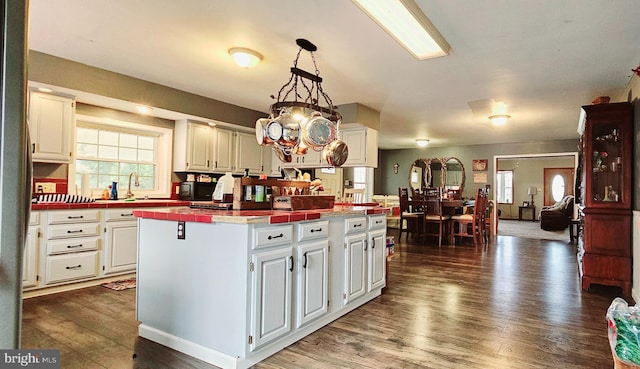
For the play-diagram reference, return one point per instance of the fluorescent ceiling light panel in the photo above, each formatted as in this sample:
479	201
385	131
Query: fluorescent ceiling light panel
408	25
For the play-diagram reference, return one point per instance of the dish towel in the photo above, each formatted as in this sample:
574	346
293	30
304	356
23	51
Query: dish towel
61	197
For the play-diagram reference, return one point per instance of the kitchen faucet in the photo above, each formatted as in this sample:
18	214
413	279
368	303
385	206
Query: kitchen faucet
137	184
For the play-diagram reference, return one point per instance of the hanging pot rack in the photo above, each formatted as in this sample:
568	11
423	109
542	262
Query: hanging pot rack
320	124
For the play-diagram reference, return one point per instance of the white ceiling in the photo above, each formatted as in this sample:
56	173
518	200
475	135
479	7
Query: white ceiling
542	58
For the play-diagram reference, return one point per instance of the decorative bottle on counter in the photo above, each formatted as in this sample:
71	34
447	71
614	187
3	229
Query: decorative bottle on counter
114	191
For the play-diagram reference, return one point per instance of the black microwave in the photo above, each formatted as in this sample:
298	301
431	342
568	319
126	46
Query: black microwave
196	191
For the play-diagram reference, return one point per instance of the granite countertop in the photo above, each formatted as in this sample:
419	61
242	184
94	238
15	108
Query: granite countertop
255	216
111	204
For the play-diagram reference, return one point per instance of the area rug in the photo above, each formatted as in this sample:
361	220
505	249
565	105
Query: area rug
517	228
120	285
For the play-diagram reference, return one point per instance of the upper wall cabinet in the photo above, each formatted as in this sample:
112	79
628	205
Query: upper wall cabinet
51	125
192	146
363	146
248	154
222	150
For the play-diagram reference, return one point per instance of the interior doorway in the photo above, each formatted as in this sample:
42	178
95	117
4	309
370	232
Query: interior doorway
528	172
332	180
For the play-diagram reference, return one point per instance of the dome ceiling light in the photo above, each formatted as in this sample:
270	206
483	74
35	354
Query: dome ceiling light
422	142
499	116
303	117
245	58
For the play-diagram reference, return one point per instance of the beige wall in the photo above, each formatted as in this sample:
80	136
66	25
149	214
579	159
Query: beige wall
530	172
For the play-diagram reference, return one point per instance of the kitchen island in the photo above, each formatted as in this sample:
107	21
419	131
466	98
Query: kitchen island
234	287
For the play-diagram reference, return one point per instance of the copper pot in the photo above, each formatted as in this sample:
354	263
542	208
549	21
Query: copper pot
336	153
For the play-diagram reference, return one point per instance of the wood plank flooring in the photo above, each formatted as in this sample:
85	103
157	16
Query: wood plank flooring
514	304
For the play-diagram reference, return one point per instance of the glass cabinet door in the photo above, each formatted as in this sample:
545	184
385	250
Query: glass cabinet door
607	155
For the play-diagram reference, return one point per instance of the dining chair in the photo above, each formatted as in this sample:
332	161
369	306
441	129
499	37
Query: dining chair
417	201
407	216
471	225
431	193
353	195
433	217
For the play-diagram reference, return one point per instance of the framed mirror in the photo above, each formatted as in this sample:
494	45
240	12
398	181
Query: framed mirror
437	173
418	174
454	174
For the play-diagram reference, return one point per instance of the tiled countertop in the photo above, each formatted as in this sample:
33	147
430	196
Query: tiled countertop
101	204
254	216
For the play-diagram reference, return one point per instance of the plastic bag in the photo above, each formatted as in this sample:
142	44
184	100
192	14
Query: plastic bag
624	330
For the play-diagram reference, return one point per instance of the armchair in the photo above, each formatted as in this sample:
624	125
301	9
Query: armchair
557	216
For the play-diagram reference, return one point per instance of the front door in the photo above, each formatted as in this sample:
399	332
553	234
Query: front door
558	182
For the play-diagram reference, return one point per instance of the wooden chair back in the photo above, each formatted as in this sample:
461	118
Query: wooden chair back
403	194
354	195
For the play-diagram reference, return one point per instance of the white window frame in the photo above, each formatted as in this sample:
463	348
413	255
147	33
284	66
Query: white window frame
500	187
163	151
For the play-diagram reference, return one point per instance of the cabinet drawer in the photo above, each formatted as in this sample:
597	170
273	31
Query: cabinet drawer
73	230
377	222
271	236
118	215
34	218
312	231
355	225
73	266
72	245
74	216
607	267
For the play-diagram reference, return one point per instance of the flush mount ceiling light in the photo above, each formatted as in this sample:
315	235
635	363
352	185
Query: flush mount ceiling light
499	119
408	25
422	142
246	58
142	109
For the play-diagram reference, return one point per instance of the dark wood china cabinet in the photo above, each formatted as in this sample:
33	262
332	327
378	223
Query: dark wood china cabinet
606	151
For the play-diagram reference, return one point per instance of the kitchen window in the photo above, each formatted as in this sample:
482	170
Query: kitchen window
111	151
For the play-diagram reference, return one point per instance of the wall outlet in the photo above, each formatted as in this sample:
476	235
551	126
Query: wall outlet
47	187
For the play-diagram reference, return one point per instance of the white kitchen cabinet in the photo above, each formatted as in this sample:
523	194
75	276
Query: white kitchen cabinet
365	247
192	146
312	272
363	147
32	245
120	241
376	255
248	154
271	293
312	159
355	258
72	250
276	164
51	120
271	285
223	150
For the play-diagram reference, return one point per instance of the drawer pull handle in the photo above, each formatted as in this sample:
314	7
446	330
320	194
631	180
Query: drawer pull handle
316	230
357	225
77	231
75	216
74	246
74	267
378	221
278	236
126	215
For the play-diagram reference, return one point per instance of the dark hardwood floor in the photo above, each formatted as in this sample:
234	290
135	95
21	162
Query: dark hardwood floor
514	304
